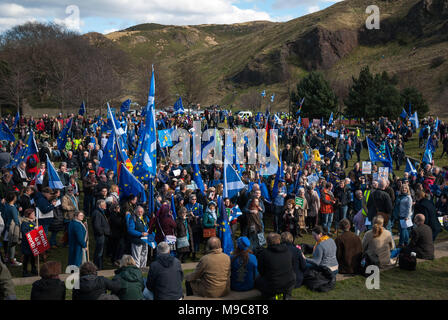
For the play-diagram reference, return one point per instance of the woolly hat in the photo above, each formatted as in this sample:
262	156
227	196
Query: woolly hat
243	243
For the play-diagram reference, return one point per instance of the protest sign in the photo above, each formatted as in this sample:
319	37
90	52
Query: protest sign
366	167
38	241
383	172
299	202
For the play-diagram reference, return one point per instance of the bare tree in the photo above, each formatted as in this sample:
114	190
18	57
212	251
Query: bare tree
251	100
191	85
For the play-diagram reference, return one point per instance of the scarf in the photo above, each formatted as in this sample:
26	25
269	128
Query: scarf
322	239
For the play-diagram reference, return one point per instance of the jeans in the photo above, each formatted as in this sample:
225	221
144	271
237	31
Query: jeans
327	219
342	214
404	235
99	249
53	238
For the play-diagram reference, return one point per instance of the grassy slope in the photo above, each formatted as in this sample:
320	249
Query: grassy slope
235	46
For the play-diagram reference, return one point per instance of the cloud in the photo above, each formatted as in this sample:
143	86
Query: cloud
288	4
313	9
178	12
109	31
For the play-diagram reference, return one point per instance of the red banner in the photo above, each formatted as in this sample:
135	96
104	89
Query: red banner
38	241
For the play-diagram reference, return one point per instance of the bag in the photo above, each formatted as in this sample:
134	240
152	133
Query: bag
319	279
407	262
14	234
261	239
182	242
171	240
209	232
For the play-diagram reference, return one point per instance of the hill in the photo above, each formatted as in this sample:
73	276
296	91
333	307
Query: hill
239	58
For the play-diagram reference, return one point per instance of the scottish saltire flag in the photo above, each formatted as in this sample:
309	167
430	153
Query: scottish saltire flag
414	120
109	159
16	121
235	213
173	208
436	128
299	121
410	168
5	133
330	121
125	106
224	233
263	93
29	149
277	120
403	114
300	105
129	184
427	156
165	138
178	107
54	182
121	156
376	155
272	97
332	134
62	138
232	182
82	109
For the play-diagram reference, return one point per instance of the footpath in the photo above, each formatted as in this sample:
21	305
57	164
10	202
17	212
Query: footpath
441	250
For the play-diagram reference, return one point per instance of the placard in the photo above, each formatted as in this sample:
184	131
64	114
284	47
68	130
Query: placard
38	241
366	167
299	202
383	172
41	215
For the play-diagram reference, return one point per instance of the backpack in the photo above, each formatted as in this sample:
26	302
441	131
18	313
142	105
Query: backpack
406	261
319	279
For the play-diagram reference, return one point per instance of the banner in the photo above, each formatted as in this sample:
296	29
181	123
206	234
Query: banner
366	167
38	241
316	122
383	172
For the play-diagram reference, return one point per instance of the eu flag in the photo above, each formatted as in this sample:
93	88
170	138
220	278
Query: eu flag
109	159
403	114
125	106
165	138
82	109
173	208
62	138
128	184
16	121
5	133
376	155
29	149
224	233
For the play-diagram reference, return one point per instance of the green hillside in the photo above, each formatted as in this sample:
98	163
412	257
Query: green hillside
234	59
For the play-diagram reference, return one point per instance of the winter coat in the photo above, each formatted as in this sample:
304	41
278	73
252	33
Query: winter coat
165	278
132	283
92	286
242	277
184	231
58	221
348	252
421	242
100	224
211	277
77	238
275	266
48	289
26	226
378	248
426	207
298	263
69	206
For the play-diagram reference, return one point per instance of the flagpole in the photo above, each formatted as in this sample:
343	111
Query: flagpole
38	260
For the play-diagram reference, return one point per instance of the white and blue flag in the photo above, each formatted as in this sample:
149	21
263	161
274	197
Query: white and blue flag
232	182
54	182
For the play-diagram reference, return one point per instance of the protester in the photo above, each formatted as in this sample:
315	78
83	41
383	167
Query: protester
165	276
28	224
348	250
211	278
275	267
138	227
377	244
131	278
77	240
243	266
101	231
91	286
298	261
49	287
421	239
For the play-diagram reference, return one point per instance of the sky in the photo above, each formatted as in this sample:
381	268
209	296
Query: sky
105	16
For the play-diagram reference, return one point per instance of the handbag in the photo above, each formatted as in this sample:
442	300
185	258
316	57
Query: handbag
209	232
182	242
406	261
261	239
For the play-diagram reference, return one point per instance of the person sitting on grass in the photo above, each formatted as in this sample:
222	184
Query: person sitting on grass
131	279
49	287
421	239
377	244
324	252
244	266
91	286
348	249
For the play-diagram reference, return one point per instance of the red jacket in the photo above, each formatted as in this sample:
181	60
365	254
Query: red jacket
326	208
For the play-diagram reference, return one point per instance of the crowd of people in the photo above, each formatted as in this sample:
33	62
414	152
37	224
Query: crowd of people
350	215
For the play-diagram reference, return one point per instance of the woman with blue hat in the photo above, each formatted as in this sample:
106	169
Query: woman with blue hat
243	266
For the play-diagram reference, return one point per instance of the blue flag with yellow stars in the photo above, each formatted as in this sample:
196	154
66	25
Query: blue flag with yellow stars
128	184
224	232
165	138
376	155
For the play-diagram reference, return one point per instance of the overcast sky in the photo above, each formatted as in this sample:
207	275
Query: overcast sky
105	16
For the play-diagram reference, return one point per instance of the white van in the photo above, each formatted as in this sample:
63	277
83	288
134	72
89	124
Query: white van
245	114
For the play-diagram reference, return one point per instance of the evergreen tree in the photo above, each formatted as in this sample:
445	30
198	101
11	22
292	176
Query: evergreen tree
412	96
320	100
